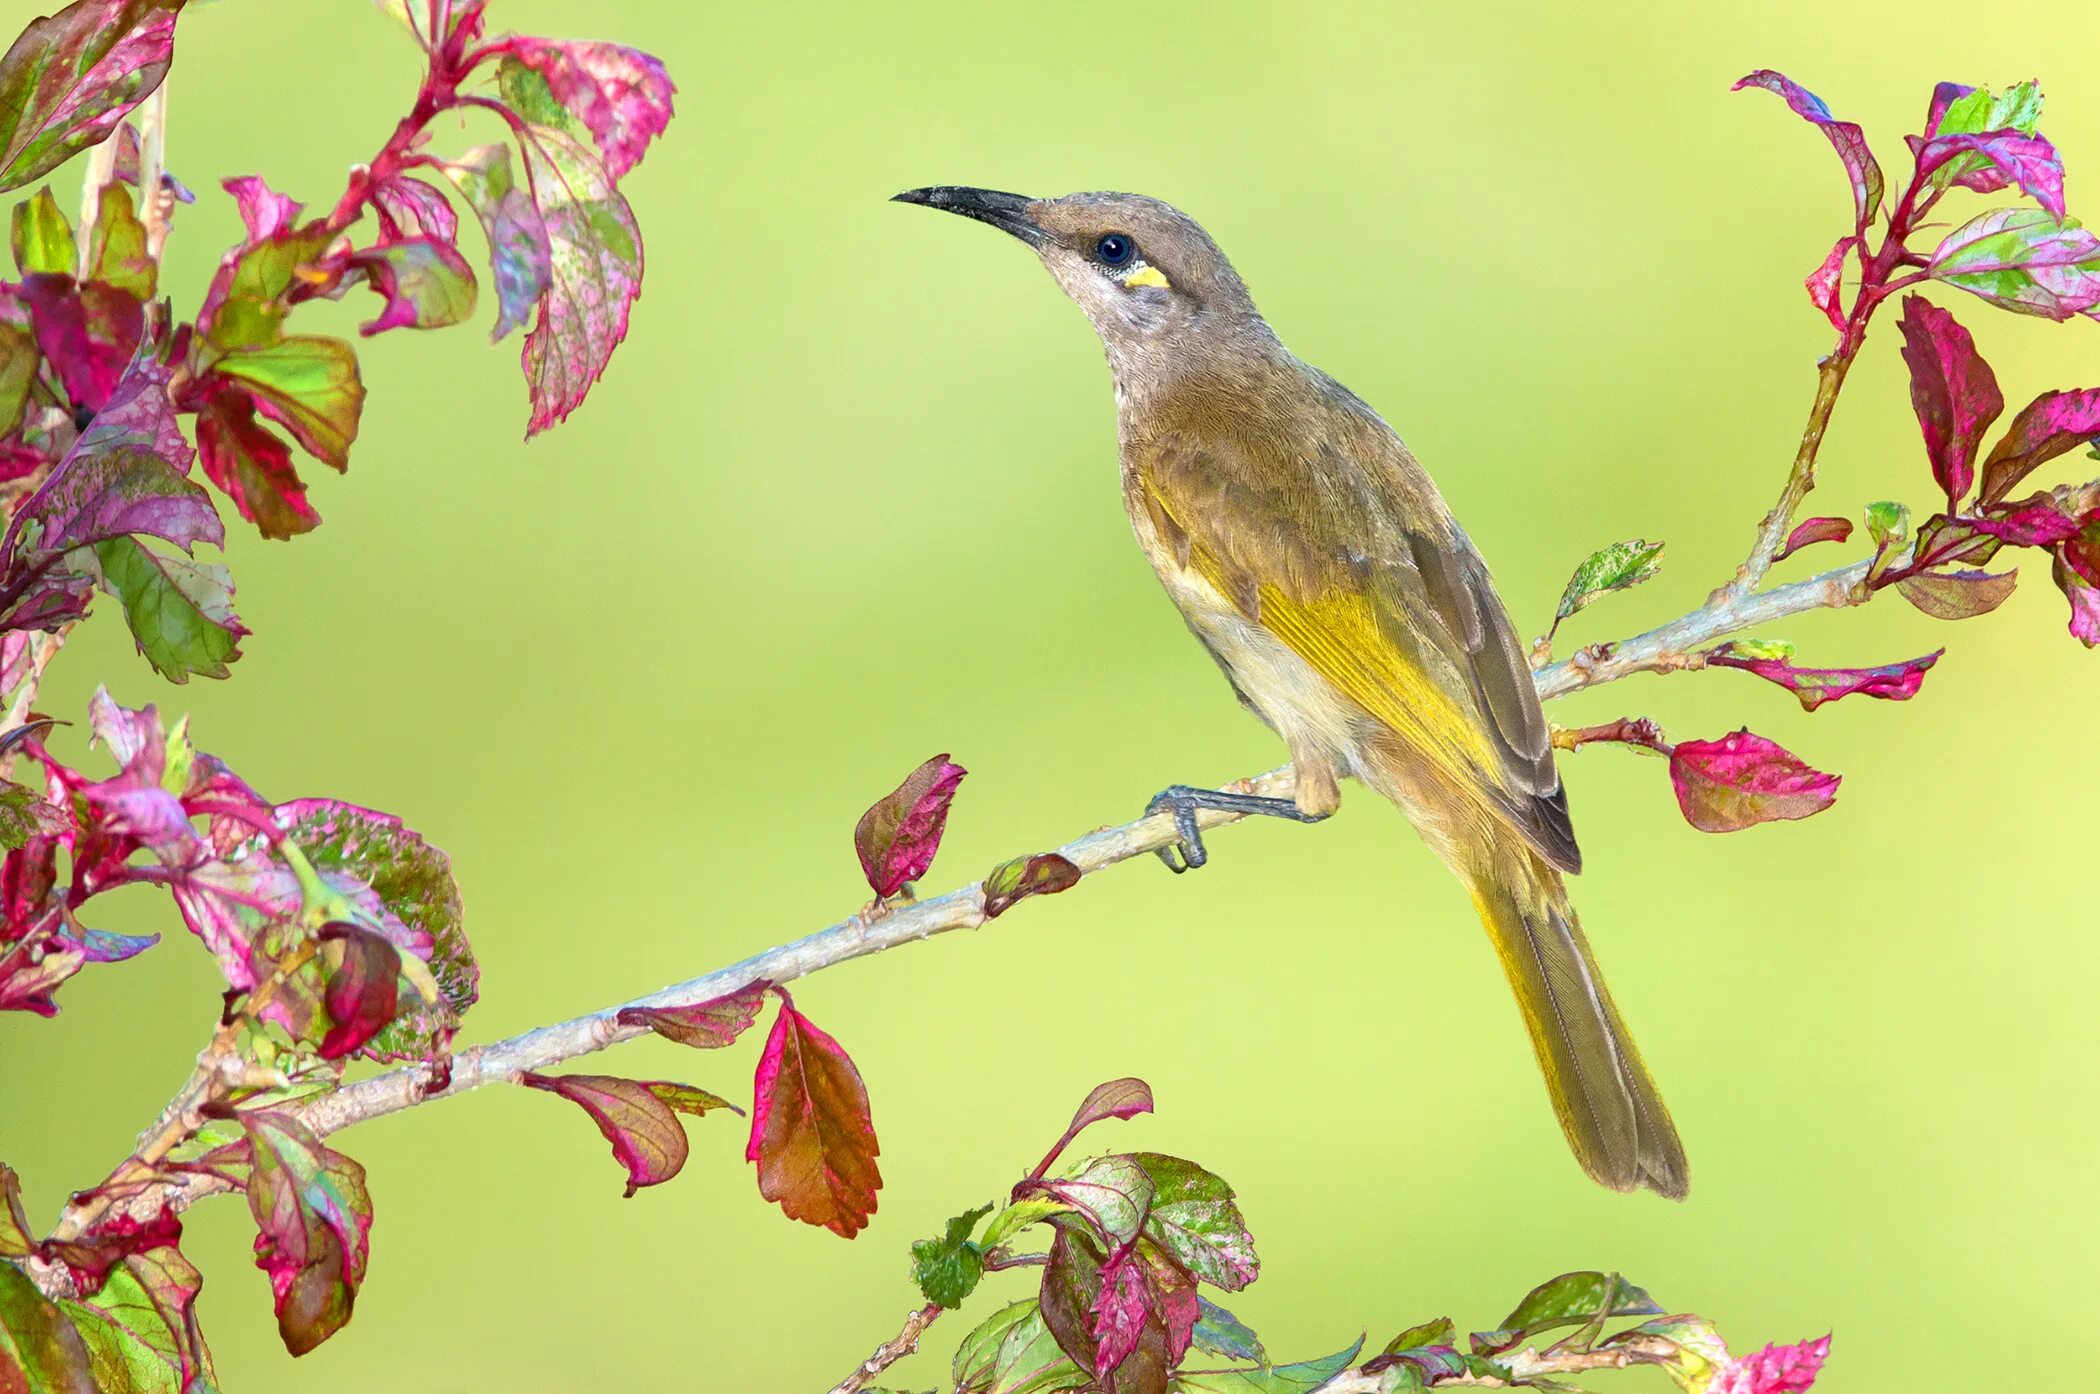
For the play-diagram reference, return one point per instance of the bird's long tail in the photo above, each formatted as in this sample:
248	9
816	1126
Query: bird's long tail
1608	1104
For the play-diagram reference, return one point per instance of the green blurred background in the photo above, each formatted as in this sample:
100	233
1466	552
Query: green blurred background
847	498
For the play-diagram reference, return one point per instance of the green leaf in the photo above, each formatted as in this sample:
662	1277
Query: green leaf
18	365
1018	1216
310	384
41	236
527	93
2017	108
1301	1378
250	315
15	1239
947	1268
1610	568
1774	650
1569	1300
1888	521
1441	1332
1686	1347
180	611
1013	1352
1221	1333
116	253
23	815
37	1340
1194	1218
426	283
141	1328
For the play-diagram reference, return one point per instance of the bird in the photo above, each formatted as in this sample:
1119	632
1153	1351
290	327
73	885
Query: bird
1313	557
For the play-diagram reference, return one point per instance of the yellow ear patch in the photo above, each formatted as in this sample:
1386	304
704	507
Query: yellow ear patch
1146	276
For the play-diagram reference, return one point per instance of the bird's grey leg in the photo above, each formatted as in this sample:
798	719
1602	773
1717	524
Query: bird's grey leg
1183	801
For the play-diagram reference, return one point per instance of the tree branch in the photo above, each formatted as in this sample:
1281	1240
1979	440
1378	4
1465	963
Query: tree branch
905	1342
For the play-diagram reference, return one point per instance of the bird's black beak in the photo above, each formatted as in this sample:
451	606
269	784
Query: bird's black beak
1007	212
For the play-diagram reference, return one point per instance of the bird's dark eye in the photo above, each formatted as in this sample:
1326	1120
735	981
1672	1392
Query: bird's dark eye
1115	249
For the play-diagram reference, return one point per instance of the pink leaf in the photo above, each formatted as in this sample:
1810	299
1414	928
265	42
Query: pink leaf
1952	390
1823	282
264	212
1120	1311
89	1258
1774	1370
1812	531
811	1132
2030	524
313	1220
362	988
1119	1098
2007	158
594	273
409	208
707	1025
252	465
88	333
2053	424
621	95
1814	686
898	836
1742	780
638	1117
2085	605
1845	137
2024	260
71	77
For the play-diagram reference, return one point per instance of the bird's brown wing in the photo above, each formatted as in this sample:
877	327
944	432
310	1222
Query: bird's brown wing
1322	528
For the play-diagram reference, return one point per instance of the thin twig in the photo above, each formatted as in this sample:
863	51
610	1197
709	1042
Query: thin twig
905	1342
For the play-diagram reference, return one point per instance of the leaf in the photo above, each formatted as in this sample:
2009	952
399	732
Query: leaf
1194	1218
180	611
1888	522
900	833
1743	779
253	466
15	1238
1813	530
1121	1310
2023	260
706	1025
41	236
1957	595
313	1218
87	333
116	251
622	96
1824	283
19	361
638	1117
1441	1332
1114	1193
427	284
141	1328
1014	881
1687	1348
2085	604
1118	1098
1993	160
1957	109
409	208
948	1267
40	1352
1844	136
2053	424
811	1133
594	273
71	77
1071	1286
100	495
308	384
519	254
1952	390
1608	569
413	881
1895	682
1020	1214
1013	1352
2034	524
1572	1299
362	988
1301	1378
1221	1333
1774	1370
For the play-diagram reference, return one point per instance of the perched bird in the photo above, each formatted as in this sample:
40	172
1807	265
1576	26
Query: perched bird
1315	560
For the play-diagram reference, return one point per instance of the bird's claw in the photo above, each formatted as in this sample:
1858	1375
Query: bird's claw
1187	853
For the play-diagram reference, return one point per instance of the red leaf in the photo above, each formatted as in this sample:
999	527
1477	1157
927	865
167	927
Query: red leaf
638	1117
88	333
1812	531
2053	424
1824	282
1120	1310
1774	1370
1013	882
253	466
90	1257
1953	391
1743	779
621	95
71	77
2085	605
1894	682
362	990
1119	1098
706	1025
898	836
2037	523
313	1220
811	1133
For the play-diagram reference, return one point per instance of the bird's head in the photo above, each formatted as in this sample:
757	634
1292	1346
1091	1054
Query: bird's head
1149	278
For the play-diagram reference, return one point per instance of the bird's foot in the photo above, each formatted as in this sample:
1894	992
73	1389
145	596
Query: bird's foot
1184	801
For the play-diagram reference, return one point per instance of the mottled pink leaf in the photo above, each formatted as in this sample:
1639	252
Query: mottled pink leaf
707	1025
313	1220
898	836
252	465
2032	524
1952	390
1742	780
1172	1294
1958	595
1774	1370
71	77
1014	881
109	1242
2053	424
2024	260
88	333
1119	1098
1844	136
1120	1311
362	989
264	212
427	284
811	1133
1812	531
2006	158
520	257
2085	605
409	208
594	273
1815	686
621	95
638	1117
1824	282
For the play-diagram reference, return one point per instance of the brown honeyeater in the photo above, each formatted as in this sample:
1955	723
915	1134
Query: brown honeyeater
1315	560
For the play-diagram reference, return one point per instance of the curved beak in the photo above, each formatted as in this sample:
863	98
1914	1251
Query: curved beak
1007	212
